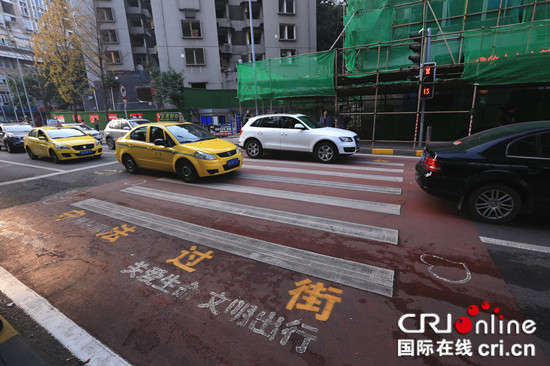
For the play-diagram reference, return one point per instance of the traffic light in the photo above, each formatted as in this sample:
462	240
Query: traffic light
416	47
427	91
428	72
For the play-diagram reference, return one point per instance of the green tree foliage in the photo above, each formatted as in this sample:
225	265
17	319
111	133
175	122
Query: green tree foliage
329	23
168	86
58	51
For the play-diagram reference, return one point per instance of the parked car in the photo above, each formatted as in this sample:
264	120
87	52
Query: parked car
497	174
61	143
86	129
119	127
296	132
12	134
182	148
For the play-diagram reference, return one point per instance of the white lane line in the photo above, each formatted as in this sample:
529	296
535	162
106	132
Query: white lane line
247	166
79	342
31	166
322	183
363	165
388	208
375	233
515	244
22	180
348	273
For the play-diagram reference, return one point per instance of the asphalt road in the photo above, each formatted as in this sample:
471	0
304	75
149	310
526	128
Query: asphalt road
160	272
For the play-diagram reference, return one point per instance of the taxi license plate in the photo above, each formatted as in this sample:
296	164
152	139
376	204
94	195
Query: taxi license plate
232	162
86	152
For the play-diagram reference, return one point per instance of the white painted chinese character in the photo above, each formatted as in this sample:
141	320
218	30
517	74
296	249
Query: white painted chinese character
266	323
238	309
287	332
182	290
212	303
151	275
138	267
168	281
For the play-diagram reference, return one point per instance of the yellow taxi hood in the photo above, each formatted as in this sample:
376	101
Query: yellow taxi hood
211	146
76	140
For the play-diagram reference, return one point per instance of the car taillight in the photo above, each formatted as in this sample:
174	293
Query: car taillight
431	164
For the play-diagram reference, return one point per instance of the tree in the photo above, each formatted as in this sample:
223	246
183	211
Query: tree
58	52
329	23
168	86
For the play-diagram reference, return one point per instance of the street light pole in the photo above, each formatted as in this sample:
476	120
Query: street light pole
11	97
18	96
24	86
253	54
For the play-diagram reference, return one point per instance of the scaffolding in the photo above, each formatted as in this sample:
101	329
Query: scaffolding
478	46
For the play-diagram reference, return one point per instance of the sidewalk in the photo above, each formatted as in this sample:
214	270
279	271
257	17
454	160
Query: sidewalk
14	350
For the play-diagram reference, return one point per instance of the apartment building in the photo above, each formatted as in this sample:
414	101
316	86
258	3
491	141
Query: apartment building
205	39
18	23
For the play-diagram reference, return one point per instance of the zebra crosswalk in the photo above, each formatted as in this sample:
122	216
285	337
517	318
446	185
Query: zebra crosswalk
286	175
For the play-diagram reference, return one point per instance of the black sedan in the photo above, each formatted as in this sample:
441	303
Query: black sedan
11	135
497	174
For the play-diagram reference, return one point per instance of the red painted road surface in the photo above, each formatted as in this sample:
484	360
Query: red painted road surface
122	282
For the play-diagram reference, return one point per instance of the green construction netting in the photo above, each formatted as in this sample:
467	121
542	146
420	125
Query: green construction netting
297	76
513	54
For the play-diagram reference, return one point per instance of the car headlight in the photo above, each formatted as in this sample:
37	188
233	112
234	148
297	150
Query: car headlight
97	143
346	139
61	147
9	135
204	156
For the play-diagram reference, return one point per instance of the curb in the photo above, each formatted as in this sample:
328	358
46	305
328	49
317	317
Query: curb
14	350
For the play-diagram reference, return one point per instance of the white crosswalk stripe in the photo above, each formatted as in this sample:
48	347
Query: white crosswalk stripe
340	174
358	275
381	207
335	226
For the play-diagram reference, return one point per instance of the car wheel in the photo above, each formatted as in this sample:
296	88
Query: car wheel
186	171
130	164
30	153
54	157
254	149
494	203
110	143
326	152
9	148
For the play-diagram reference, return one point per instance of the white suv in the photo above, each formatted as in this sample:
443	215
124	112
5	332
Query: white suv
296	132
119	127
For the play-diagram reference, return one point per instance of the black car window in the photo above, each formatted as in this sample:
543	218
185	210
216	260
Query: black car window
524	147
288	122
269	122
256	123
41	134
32	133
545	145
155	133
139	134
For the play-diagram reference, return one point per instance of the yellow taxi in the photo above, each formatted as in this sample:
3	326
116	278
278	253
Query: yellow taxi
61	143
179	147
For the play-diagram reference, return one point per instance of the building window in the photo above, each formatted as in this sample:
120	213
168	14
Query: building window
191	28
112	57
286	7
288	53
109	36
105	14
24	10
194	57
287	32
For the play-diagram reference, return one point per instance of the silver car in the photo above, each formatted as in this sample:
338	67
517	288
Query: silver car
86	129
119	127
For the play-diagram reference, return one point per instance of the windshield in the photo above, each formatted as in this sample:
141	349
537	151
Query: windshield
60	133
186	133
17	128
310	122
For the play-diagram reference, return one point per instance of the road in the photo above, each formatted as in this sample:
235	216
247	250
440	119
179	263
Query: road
286	262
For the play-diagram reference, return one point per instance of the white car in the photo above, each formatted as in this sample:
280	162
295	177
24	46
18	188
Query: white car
119	127
296	132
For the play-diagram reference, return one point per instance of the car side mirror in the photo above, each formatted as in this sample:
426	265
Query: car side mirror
42	138
160	142
299	126
126	128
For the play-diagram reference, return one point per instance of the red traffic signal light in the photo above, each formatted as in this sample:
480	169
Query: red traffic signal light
428	72
427	91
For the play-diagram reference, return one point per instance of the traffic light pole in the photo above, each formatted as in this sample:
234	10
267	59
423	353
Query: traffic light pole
423	101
